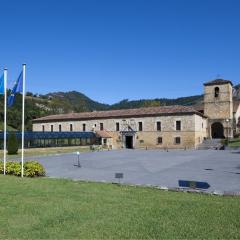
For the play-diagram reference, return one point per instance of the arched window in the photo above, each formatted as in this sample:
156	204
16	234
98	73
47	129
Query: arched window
216	92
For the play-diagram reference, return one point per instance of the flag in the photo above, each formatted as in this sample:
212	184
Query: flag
17	88
2	84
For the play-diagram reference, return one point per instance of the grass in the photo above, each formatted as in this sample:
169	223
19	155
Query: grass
46	151
234	142
63	209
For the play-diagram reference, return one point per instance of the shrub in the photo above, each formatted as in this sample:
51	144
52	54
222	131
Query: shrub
12	144
237	135
31	169
13	168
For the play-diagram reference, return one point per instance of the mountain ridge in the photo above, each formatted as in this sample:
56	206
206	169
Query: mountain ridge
67	102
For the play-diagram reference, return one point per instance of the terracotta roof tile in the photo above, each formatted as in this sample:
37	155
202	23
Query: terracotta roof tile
139	112
103	134
217	82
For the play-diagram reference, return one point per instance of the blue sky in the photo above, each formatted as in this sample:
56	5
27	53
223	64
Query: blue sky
116	49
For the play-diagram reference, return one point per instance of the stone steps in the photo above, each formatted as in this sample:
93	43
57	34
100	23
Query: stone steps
211	144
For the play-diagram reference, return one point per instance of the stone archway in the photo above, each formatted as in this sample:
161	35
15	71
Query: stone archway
217	130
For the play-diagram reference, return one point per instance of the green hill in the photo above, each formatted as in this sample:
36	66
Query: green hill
66	102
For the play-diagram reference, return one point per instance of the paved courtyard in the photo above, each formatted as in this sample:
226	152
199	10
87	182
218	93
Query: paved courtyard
221	169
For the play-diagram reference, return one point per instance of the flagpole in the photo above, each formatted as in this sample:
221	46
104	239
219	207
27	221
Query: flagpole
5	123
23	116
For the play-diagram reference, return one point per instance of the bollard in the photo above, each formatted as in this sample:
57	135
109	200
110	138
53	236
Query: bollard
78	156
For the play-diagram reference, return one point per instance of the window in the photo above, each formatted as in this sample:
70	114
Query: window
60	127
71	127
159	127
117	127
84	127
159	140
101	126
178	125
43	128
140	126
51	128
216	92
177	140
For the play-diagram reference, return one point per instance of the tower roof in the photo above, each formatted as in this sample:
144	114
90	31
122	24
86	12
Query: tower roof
218	82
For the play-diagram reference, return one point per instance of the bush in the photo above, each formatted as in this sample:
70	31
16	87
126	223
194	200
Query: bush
237	135
31	169
12	144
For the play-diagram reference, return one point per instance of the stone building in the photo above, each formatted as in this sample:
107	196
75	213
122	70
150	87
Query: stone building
156	127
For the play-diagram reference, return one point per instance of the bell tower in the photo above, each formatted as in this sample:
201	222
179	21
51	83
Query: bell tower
218	107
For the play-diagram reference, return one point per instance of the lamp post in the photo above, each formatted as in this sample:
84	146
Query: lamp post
78	157
227	120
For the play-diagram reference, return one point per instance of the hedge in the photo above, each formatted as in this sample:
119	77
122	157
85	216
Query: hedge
31	169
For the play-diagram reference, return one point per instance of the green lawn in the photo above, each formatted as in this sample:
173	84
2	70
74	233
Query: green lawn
234	142
46	151
49	208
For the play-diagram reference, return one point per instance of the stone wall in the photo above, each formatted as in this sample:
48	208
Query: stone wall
220	107
193	130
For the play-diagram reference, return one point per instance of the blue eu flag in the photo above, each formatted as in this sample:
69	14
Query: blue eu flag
2	84
17	88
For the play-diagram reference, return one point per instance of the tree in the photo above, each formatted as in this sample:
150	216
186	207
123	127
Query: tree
151	103
12	144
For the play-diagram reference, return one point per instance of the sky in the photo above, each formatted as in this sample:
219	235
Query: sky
121	49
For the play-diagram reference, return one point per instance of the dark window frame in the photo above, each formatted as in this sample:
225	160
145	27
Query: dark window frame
159	126
117	127
177	140
159	140
178	125
84	127
140	126
101	127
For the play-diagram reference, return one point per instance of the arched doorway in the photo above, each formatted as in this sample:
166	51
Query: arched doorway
217	130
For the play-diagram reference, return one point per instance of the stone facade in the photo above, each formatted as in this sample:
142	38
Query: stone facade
218	108
192	130
156	127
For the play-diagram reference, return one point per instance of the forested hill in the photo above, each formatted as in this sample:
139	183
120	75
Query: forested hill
66	102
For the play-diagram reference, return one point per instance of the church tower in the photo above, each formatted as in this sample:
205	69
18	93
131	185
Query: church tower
218	107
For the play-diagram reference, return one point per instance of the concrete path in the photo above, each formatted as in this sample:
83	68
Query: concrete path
221	169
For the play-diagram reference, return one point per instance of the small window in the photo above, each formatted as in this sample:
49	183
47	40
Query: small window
101	126
140	126
105	141
178	125
43	128
60	127
71	127
117	127
159	127
159	140
177	140
216	92
84	127
51	128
